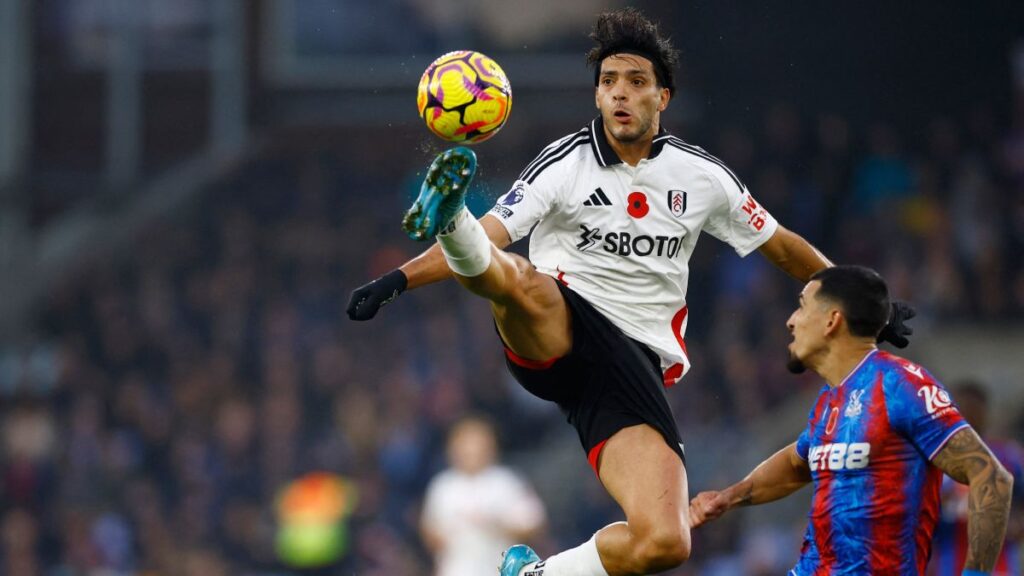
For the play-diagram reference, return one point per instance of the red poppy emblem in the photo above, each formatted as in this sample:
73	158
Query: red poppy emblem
636	205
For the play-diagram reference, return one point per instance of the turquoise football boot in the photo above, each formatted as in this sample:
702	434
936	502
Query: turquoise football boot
442	195
513	560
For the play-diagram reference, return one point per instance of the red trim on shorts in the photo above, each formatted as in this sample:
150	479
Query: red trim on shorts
530	364
594	454
561	278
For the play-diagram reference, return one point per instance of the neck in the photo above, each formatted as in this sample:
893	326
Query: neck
632	152
841	359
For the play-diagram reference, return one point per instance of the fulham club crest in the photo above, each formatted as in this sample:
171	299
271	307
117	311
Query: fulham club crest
677	202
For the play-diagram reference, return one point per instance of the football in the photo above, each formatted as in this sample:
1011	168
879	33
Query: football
464	97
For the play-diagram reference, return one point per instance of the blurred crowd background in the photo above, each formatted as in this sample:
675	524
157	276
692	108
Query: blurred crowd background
190	190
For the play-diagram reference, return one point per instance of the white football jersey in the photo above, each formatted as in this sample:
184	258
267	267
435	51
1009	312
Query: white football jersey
476	516
622	236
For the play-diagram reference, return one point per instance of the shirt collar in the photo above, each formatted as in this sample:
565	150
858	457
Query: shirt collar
603	151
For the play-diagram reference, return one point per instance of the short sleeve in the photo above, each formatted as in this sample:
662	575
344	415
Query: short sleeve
803	444
536	193
739	220
920	408
522	207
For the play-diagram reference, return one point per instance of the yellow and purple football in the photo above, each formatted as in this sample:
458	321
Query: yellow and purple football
464	97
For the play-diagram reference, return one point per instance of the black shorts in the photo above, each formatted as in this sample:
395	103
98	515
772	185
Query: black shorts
606	383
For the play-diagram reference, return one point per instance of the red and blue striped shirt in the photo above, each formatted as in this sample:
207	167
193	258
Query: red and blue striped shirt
869	444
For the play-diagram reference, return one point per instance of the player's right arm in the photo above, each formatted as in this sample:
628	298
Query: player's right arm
779	476
966	459
427	268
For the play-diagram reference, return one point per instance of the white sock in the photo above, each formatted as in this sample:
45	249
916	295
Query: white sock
582	560
465	245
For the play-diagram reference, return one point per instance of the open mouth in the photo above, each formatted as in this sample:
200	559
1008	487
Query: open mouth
622	115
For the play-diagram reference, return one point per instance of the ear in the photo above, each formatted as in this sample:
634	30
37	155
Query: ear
597	98
835	321
666	95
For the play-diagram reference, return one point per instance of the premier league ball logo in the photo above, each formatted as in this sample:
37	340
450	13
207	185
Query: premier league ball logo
514	196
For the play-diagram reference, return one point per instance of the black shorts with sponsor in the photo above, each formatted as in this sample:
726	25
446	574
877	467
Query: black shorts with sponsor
606	383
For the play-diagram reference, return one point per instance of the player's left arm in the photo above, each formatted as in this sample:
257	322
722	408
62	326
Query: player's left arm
966	459
800	259
745	225
779	476
794	255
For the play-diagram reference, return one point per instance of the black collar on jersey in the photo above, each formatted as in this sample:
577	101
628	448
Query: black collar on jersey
603	151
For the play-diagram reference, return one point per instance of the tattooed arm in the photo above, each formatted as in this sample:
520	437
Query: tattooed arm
777	477
966	459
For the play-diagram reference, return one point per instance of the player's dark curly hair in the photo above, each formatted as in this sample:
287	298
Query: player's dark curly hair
629	31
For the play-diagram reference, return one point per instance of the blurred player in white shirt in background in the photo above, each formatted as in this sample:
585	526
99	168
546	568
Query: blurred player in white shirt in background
467	521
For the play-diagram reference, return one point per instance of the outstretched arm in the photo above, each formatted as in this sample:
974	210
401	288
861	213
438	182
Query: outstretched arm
794	255
777	477
966	459
427	268
798	258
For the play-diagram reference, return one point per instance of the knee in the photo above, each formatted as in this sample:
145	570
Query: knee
663	549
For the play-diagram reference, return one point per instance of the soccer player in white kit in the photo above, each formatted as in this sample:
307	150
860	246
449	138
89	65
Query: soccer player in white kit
466	520
595	319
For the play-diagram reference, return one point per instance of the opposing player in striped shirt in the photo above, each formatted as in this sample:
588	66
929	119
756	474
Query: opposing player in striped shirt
878	439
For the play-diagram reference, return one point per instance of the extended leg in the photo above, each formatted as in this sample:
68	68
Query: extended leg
529	310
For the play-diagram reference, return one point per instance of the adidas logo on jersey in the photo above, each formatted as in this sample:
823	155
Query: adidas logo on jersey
598	198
